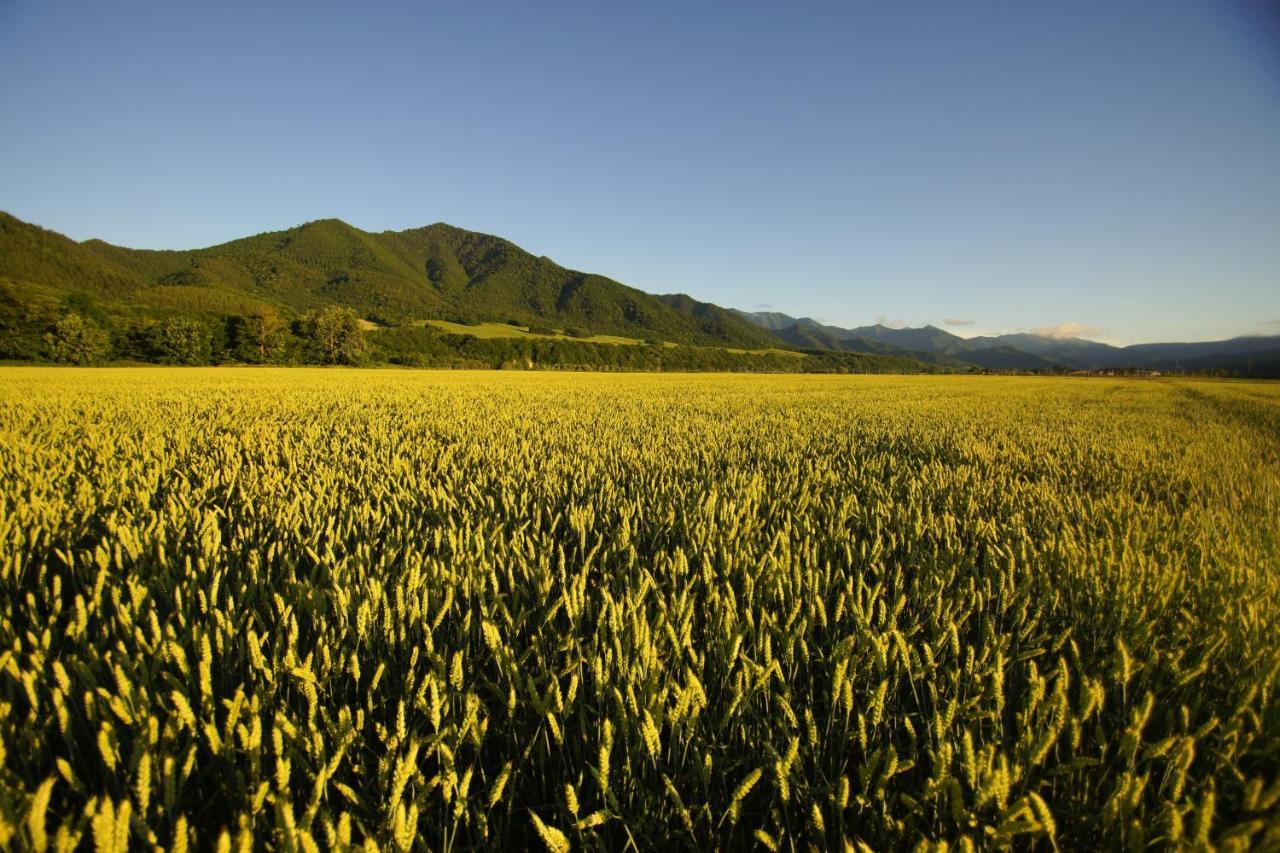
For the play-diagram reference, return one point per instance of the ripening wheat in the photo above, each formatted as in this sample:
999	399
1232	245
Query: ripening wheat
313	609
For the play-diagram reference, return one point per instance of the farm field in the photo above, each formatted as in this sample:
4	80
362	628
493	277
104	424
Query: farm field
308	608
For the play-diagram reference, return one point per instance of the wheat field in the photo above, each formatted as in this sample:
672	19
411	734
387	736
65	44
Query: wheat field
305	609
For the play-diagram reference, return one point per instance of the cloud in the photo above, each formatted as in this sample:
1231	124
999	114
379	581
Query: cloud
1070	329
951	321
762	306
1275	322
882	320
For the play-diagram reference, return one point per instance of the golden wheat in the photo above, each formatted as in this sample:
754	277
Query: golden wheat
309	609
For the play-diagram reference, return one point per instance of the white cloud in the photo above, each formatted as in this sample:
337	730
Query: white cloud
1069	329
762	306
882	320
951	321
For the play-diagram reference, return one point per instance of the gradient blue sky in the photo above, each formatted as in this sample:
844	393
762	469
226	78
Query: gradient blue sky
1012	165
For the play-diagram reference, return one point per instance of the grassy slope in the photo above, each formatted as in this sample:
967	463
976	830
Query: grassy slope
506	330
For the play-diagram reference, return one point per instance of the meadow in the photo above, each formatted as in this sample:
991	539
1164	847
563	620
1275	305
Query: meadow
306	609
507	330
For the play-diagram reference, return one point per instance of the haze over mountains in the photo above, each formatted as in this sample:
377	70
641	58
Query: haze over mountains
442	272
1020	351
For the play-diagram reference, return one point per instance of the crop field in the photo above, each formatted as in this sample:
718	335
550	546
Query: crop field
309	609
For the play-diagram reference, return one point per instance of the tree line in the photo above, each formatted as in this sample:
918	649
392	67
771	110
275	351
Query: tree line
338	336
330	335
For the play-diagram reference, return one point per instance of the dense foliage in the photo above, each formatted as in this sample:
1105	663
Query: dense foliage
334	335
76	340
421	347
440	610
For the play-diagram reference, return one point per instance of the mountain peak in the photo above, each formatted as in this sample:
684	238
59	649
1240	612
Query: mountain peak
438	272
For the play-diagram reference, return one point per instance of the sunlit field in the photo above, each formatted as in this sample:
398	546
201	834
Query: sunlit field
321	608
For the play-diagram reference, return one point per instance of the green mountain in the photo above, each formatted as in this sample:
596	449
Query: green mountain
1005	358
1261	363
928	339
1075	353
435	272
804	336
815	337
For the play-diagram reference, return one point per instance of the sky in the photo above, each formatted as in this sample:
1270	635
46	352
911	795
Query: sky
1099	168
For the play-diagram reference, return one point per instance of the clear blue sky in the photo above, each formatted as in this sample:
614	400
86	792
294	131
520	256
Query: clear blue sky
1015	165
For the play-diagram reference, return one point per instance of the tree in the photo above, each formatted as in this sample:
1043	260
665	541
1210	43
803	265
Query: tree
257	338
178	340
75	340
22	327
333	336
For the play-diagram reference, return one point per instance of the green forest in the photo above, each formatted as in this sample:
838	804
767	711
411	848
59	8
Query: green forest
338	336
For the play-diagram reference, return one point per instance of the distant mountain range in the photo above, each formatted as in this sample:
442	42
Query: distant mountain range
439	272
1023	351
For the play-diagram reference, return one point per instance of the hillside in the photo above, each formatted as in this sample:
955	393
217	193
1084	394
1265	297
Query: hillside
434	272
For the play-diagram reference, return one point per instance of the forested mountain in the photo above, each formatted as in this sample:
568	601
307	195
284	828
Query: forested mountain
438	271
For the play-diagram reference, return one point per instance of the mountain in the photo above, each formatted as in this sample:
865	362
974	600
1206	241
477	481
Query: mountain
434	272
929	344
1081	354
1076	353
1026	351
1006	358
928	339
1212	353
772	320
785	325
813	337
1259	364
805	333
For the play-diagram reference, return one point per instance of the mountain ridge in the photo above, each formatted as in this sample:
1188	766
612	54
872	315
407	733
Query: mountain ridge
436	271
1022	350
